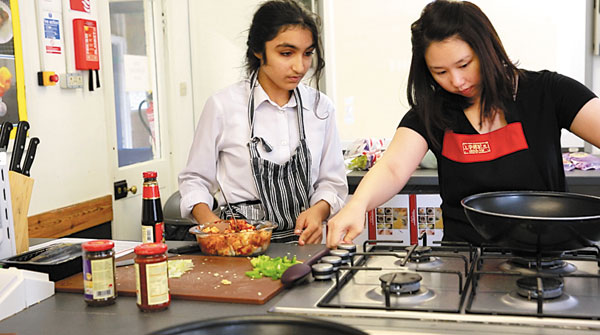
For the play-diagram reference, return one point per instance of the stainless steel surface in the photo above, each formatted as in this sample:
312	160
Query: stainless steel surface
437	308
498	293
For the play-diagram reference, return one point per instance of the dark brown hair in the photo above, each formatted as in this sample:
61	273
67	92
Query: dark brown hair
440	20
269	20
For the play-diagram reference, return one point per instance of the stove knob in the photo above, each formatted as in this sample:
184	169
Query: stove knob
343	254
322	271
350	247
336	261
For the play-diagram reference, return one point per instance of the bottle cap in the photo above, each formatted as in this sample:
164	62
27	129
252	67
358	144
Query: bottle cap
150	174
98	245
150	249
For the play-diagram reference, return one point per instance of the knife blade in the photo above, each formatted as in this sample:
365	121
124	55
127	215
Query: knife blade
7	126
19	146
30	155
186	249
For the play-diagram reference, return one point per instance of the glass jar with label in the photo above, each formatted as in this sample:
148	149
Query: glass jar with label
99	283
151	275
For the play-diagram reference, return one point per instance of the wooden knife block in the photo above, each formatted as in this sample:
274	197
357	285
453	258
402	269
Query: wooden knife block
21	187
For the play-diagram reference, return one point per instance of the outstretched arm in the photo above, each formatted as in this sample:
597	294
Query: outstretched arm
387	177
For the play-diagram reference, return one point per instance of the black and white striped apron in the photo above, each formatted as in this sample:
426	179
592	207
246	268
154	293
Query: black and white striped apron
282	188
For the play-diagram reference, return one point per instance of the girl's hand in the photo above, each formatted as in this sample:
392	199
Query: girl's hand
203	214
346	225
309	224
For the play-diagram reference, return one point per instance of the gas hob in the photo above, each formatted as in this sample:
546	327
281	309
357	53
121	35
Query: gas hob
452	288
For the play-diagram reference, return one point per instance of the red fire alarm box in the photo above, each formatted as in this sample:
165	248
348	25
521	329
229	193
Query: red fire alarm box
85	36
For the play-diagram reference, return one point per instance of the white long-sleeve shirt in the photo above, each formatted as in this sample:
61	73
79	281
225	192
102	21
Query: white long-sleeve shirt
220	152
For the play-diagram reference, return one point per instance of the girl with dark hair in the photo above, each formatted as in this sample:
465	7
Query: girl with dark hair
491	125
270	141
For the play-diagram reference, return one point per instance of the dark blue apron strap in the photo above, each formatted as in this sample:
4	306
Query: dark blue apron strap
253	81
300	111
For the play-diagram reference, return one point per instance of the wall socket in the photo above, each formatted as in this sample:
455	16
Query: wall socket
71	80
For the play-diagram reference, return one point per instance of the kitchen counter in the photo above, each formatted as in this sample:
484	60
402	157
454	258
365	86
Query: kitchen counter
67	313
425	181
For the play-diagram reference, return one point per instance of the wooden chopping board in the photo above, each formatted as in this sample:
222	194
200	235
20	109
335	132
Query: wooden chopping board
203	282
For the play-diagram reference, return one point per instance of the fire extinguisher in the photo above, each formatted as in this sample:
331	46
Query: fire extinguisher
148	119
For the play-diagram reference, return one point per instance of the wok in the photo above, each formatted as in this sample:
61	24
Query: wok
532	221
261	325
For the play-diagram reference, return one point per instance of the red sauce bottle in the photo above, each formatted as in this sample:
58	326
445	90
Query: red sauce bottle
152	278
153	227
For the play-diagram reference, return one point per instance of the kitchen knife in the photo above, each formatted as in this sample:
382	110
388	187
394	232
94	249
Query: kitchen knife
298	272
19	146
186	249
30	155
7	126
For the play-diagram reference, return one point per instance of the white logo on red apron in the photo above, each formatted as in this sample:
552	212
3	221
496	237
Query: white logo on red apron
475	148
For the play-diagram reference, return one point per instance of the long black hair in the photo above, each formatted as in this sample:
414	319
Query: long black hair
268	21
440	20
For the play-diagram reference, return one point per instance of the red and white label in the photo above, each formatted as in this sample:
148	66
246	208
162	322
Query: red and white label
476	148
469	148
53	50
412	208
81	5
371	225
159	233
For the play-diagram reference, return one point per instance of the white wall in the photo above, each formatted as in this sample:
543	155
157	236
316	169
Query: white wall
180	86
372	52
71	161
218	31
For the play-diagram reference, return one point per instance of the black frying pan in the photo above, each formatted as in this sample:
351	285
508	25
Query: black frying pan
531	221
261	325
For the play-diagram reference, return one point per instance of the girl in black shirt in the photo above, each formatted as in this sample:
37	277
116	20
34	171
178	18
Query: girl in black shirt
491	125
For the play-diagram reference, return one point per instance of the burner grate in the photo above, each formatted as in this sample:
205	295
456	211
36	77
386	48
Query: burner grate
535	287
564	286
368	283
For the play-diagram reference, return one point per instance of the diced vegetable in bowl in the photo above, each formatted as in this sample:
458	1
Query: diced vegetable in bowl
234	238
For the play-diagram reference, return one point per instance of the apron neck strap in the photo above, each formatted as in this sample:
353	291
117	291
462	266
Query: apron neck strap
300	113
253	81
299	106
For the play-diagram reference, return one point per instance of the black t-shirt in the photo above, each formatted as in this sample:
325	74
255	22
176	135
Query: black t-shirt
524	155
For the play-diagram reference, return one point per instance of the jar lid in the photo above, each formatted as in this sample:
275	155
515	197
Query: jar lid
150	174
97	245
150	249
